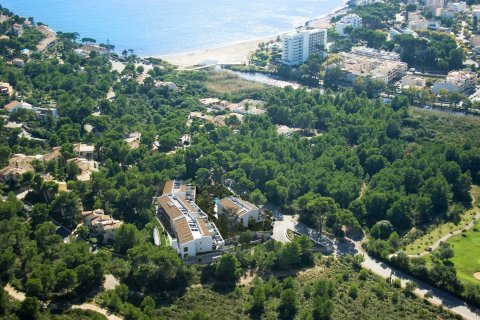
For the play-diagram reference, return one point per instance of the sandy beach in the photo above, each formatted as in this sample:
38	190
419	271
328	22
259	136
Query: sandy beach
236	53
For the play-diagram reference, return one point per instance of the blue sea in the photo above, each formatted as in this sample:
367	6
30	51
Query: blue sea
157	27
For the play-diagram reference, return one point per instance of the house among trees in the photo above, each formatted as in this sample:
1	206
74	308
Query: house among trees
84	150
86	168
187	224
244	210
101	224
6	89
16	105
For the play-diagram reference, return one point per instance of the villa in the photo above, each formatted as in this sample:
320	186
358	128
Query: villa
244	210
87	167
101	224
84	150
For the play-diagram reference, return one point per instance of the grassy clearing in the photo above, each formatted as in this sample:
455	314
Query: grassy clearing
374	300
467	254
224	82
421	244
443	127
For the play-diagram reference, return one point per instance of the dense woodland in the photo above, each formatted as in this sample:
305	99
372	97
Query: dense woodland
357	163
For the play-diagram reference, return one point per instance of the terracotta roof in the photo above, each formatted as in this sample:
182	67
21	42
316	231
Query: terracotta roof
168	188
11	105
52	155
184	234
183	187
185	202
170	209
229	204
203	227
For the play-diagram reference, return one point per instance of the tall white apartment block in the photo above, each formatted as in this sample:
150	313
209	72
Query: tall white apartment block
351	20
298	46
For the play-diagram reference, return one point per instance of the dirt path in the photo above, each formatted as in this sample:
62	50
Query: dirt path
446	237
94	307
14	293
20	296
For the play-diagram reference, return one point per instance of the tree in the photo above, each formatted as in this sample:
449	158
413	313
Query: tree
39	214
126	237
257	197
66	207
288	304
228	268
322	308
29	309
245	237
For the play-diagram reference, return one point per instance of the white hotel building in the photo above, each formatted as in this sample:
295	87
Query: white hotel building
188	225
299	45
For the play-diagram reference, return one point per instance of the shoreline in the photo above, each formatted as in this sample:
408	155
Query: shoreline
237	52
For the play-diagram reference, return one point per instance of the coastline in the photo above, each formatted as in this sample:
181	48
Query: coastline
237	52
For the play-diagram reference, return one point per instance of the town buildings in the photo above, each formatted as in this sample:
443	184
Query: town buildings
244	210
299	45
351	20
411	81
366	62
100	224
374	53
457	81
191	231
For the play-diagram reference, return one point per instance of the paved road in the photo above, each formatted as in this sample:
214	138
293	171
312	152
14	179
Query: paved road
439	297
280	228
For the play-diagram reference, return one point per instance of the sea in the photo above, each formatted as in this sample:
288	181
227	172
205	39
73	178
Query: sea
160	27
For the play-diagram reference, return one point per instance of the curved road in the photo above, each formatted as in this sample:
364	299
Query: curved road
439	297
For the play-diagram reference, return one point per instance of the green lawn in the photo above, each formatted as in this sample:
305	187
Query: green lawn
467	254
421	244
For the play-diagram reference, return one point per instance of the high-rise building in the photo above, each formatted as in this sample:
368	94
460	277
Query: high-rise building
298	46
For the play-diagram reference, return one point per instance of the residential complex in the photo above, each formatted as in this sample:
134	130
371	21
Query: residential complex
21	163
100	224
244	210
299	45
354	66
457	81
191	231
351	20
377	54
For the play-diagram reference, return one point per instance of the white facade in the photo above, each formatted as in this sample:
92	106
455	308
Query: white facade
351	20
457	81
377	54
434	3
457	7
298	46
188	225
244	210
